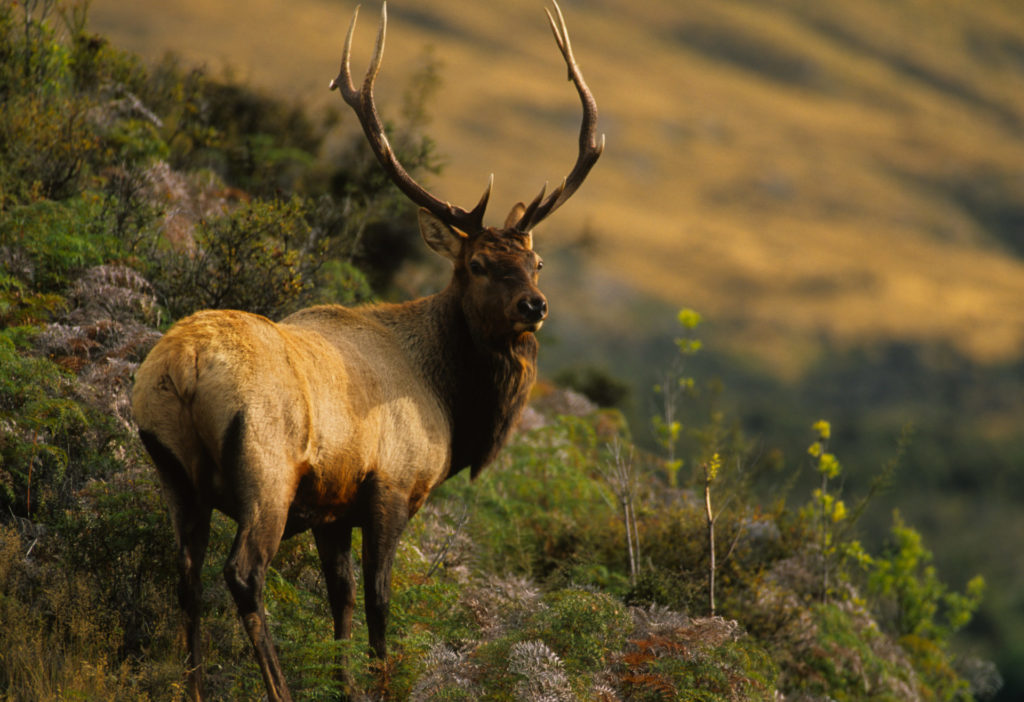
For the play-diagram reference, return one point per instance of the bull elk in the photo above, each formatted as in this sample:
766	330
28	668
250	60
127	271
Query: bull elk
337	418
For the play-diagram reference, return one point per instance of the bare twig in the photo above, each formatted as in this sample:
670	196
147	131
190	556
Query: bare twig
621	478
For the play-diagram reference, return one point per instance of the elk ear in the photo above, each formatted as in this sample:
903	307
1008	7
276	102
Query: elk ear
518	210
442	239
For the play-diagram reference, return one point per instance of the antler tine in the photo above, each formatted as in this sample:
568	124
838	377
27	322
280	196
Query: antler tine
589	150
561	35
361	102
531	209
344	80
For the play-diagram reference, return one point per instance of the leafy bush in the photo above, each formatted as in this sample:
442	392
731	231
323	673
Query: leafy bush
582	627
596	383
41	442
706	659
542	509
21	306
917	602
261	257
920	609
50	243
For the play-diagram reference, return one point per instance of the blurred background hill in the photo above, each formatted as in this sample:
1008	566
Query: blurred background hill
838	188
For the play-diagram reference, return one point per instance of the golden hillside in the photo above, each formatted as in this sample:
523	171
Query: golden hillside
794	169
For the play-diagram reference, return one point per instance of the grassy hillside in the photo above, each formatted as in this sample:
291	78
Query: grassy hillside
131	195
798	170
837	186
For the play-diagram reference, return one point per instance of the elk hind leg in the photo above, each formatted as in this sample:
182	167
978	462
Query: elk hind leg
260	528
245	573
191	521
193	539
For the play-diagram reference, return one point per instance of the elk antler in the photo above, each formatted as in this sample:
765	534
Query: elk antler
470	222
361	101
590	150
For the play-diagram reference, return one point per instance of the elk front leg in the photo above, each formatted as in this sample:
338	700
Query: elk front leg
334	544
389	515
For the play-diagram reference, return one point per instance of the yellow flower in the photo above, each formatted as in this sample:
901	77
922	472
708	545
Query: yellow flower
823	428
689	318
713	465
828	464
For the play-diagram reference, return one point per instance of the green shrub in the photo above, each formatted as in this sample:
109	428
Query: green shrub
46	145
61	123
848	659
21	306
261	257
678	667
51	242
542	509
121	542
43	428
920	609
584	628
918	603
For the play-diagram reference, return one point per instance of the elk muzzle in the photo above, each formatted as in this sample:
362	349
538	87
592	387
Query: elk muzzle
530	312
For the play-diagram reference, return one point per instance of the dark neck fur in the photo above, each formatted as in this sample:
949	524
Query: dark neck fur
483	386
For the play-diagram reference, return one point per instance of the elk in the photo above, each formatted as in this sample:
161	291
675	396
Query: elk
336	418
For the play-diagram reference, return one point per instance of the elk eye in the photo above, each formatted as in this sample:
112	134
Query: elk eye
476	268
540	264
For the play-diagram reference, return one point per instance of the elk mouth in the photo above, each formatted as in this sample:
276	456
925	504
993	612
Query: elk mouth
531	327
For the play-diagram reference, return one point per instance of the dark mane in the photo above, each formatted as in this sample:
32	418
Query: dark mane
488	399
482	386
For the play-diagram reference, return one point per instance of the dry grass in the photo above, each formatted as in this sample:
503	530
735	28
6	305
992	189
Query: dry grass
788	167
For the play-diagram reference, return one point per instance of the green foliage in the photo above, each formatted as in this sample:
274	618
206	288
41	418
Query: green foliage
542	510
584	628
121	533
847	659
312	657
921	605
42	432
340	282
47	144
596	383
21	306
574	633
261	257
251	140
832	521
57	642
680	666
59	125
673	389
49	243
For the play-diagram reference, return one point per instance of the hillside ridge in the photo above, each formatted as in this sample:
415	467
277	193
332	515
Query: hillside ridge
848	171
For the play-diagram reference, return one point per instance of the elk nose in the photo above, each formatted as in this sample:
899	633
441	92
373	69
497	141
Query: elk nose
534	308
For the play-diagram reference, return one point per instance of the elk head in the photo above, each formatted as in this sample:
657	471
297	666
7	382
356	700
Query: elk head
497	268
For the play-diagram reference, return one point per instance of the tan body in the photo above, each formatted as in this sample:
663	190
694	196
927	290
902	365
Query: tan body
336	418
330	385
